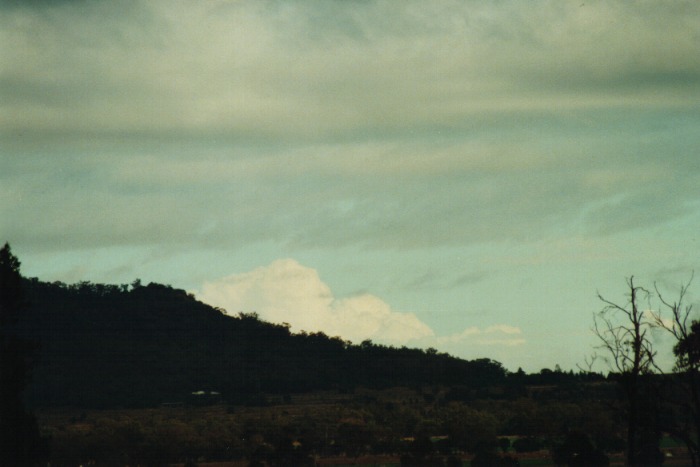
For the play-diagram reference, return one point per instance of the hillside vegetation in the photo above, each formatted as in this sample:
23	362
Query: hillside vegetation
108	346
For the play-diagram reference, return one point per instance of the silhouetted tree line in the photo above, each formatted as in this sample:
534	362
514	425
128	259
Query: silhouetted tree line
143	345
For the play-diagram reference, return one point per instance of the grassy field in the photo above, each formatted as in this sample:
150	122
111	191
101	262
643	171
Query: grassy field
183	425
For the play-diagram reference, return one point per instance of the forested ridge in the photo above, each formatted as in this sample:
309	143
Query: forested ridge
105	346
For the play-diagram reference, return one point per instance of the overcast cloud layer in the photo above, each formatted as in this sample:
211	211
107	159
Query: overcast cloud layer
450	165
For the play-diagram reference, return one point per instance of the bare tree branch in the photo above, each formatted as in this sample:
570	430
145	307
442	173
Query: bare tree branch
622	331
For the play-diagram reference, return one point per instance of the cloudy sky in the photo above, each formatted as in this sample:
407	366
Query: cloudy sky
462	175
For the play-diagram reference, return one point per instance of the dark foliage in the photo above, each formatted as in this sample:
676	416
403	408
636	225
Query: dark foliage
685	400
20	440
489	458
528	444
687	350
139	346
421	452
577	449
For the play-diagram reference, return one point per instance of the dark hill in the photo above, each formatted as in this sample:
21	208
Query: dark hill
136	346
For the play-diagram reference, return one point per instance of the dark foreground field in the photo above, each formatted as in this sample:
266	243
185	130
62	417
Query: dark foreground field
364	428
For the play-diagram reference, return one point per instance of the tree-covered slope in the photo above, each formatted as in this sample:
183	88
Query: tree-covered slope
125	346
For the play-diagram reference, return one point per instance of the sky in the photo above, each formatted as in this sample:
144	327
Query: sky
463	175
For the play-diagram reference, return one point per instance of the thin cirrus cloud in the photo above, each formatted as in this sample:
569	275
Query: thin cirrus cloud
499	334
286	291
426	124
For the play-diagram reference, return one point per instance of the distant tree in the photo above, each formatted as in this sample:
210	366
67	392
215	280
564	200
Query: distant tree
528	444
421	453
470	429
485	455
504	444
623	333
20	441
578	450
354	437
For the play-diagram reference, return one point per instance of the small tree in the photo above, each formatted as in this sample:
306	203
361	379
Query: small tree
20	442
623	333
577	449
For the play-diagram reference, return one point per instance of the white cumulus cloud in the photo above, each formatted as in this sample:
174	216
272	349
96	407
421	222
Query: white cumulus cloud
286	291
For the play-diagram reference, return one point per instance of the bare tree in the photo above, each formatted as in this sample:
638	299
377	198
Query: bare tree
589	363
623	333
676	318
